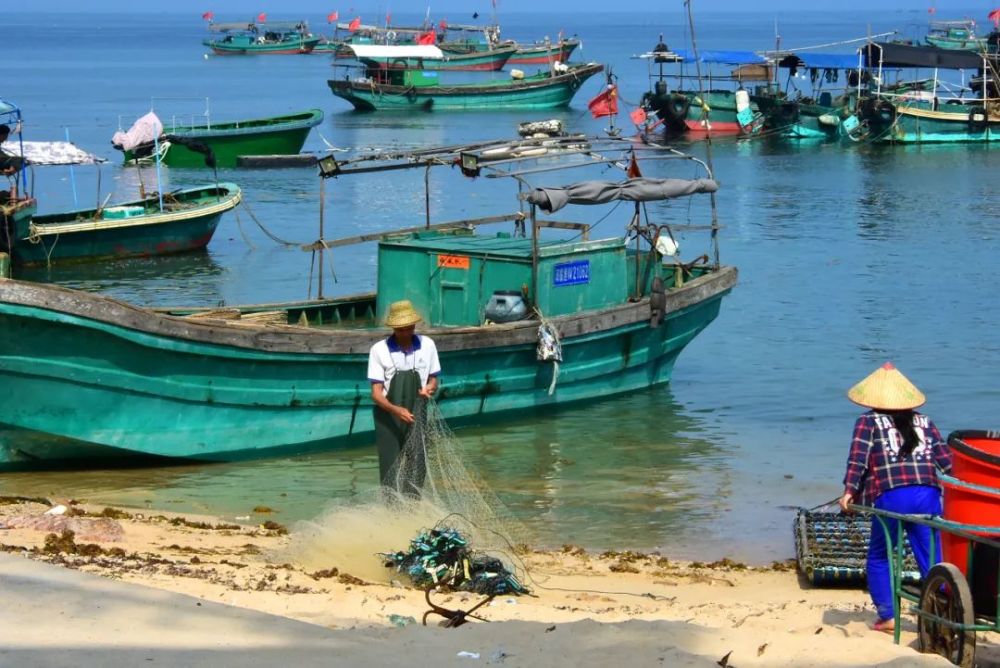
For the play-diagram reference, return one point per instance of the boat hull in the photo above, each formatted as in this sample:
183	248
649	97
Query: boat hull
241	48
85	376
542	55
187	223
281	135
919	125
547	93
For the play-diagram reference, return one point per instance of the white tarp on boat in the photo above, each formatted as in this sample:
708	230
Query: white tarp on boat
143	131
380	51
51	153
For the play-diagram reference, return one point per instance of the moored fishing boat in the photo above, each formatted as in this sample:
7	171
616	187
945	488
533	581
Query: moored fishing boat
249	38
958	35
708	107
272	135
918	115
92	379
182	220
484	38
384	90
544	51
430	58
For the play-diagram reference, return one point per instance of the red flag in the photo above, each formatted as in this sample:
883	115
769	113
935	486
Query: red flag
354	24
332	17
605	104
208	16
262	18
427	37
638	115
995	17
443	24
931	10
633	168
388	18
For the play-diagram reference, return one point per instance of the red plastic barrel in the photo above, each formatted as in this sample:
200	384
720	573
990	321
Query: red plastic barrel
972	504
976	457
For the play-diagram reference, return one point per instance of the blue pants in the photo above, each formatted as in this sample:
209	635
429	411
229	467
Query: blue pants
913	499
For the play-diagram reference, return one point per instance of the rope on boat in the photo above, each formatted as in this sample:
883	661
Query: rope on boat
263	229
239	224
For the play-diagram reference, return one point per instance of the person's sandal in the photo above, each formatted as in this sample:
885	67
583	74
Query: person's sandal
885	625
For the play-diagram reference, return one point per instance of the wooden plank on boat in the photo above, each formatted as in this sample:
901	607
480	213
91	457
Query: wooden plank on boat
276	161
292	339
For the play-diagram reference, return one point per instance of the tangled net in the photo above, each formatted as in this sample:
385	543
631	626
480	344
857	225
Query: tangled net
431	502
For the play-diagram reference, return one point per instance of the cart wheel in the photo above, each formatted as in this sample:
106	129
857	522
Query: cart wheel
946	595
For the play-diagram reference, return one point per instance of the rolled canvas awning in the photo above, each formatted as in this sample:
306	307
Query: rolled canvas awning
632	190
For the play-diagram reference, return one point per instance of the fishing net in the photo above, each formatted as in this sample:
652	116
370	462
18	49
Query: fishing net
431	505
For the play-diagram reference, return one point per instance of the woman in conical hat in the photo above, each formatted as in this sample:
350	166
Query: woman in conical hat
403	369
892	465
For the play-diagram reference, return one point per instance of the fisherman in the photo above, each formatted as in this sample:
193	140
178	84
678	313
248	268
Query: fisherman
403	369
9	166
892	465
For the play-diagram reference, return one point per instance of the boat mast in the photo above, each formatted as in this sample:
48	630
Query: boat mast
708	138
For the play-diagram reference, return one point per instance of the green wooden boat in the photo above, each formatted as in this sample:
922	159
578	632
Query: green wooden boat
273	135
265	39
185	220
957	35
405	90
91	379
918	115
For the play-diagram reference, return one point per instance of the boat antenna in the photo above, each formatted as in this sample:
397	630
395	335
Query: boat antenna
708	136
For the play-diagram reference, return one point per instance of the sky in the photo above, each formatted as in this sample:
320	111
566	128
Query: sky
944	8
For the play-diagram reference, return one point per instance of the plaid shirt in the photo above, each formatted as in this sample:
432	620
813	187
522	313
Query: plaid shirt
874	465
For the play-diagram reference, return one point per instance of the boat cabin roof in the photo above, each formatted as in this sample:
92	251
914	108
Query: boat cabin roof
500	246
425	51
250	26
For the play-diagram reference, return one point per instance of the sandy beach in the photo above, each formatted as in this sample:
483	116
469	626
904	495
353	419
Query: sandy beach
588	609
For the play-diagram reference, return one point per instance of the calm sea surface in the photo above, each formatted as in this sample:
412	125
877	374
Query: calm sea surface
848	256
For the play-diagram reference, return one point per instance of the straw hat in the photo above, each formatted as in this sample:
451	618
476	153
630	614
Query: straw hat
401	314
887	389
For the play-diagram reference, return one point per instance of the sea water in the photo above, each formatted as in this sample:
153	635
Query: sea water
848	256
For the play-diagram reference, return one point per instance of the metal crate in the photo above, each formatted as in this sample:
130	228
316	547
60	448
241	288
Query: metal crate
831	547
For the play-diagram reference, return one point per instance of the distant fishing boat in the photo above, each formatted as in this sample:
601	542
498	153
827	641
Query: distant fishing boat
91	380
271	135
250	38
921	115
716	109
384	90
542	52
430	58
183	220
482	38
959	35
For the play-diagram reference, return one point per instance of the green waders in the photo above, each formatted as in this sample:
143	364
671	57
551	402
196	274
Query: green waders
391	434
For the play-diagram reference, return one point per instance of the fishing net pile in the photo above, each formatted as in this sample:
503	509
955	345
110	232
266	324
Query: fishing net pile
470	547
432	505
441	557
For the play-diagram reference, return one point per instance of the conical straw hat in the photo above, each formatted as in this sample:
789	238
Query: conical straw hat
401	314
887	389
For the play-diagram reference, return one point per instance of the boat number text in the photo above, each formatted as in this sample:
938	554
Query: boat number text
571	273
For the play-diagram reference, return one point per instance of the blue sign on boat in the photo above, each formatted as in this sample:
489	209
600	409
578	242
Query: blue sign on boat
571	273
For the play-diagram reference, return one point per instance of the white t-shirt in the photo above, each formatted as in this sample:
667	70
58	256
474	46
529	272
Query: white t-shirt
386	358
